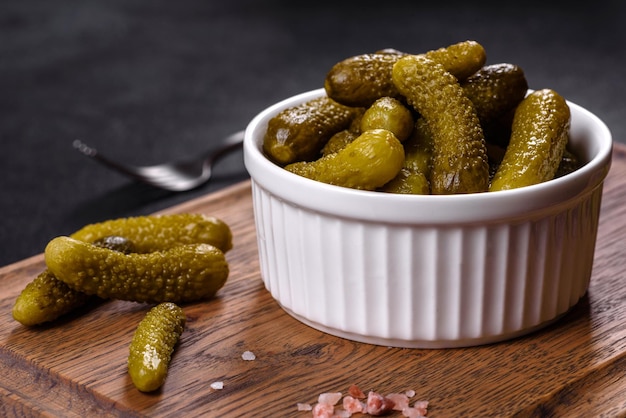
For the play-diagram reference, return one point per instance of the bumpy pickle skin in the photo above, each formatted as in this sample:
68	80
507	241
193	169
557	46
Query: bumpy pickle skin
459	159
300	132
363	79
390	114
408	181
180	274
46	298
495	89
159	232
367	163
539	135
152	346
342	138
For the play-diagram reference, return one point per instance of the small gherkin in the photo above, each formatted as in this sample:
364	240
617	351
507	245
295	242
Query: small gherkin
180	274
362	79
300	132
153	344
158	232
371	160
459	153
46	298
539	135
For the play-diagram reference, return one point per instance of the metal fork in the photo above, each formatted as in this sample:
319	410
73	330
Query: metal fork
174	176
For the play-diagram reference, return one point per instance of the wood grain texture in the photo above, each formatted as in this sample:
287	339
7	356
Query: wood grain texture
77	366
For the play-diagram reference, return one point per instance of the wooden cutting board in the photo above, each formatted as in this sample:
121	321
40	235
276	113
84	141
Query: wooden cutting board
77	366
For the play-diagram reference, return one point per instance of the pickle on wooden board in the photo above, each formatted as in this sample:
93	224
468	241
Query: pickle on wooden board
390	114
361	80
298	133
539	135
367	163
152	346
180	274
159	232
459	159
46	298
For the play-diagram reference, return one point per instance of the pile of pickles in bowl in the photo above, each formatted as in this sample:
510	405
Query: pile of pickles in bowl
427	200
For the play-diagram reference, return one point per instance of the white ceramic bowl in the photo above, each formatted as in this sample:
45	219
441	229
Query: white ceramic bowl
427	271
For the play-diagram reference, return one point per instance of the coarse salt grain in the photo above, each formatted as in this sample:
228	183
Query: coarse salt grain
217	385
248	356
305	407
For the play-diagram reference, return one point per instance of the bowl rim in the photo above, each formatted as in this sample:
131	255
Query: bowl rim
403	208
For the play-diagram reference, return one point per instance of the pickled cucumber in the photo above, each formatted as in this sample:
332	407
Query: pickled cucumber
159	232
415	173
390	114
362	79
46	298
342	138
408	181
299	132
152	346
539	136
339	141
495	89
418	148
180	274
459	159
367	163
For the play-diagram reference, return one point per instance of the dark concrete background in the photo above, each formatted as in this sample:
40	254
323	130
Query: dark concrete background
149	81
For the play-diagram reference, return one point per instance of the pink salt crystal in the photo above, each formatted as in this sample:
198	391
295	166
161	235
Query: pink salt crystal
304	407
377	404
322	410
352	405
356	392
329	398
400	400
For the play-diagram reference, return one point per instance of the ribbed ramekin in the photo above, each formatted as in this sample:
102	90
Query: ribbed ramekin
427	271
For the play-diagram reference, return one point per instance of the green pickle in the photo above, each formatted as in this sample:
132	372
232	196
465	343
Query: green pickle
339	141
180	274
539	136
46	298
367	163
159	232
459	154
152	346
415	174
361	80
300	132
390	114
342	138
495	89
